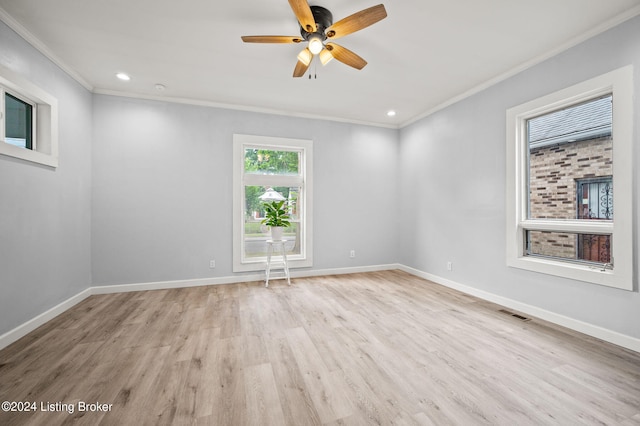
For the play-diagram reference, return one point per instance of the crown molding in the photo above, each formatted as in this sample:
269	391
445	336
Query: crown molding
246	108
34	41
599	29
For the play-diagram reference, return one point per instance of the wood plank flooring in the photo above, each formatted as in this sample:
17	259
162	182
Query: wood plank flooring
380	348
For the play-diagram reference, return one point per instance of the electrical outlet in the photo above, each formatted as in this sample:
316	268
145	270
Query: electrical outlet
212	264
449	266
352	254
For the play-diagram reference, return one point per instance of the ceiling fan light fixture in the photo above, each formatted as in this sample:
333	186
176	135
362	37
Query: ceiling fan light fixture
325	56
305	56
315	45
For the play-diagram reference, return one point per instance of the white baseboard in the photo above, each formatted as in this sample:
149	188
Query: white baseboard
22	330
341	271
610	336
258	276
164	285
13	335
607	335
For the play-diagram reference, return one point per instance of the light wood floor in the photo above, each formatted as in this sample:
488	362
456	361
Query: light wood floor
364	349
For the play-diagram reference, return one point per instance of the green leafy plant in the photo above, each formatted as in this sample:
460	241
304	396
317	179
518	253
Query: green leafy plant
276	214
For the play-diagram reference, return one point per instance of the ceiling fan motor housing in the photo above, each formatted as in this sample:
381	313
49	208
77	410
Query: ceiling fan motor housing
323	18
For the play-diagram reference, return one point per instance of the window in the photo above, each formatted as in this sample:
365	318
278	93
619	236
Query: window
281	165
569	179
18	121
28	121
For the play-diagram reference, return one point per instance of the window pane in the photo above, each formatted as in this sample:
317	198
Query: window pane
256	234
566	149
595	198
262	161
18	127
570	246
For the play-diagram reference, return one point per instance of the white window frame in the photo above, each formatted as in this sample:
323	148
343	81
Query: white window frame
620	84
303	180
45	120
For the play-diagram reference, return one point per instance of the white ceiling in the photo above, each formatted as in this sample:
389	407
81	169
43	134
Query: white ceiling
425	54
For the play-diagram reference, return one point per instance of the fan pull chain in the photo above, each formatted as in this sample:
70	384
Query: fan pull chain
315	70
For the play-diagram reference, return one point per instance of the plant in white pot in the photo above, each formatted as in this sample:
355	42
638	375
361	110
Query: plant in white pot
276	218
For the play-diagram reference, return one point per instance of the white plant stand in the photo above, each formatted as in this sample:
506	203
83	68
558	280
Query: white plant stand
273	246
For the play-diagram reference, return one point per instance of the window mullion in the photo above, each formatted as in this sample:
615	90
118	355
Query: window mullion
571	226
250	179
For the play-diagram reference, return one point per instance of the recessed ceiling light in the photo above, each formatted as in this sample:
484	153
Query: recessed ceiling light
391	113
122	76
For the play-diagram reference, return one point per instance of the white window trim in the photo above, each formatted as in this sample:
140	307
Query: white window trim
620	83
45	126
240	142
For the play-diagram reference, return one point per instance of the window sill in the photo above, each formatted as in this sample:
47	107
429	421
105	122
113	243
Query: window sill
28	155
260	264
576	271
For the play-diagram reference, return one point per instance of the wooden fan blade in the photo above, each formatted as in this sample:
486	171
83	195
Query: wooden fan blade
303	13
356	22
346	56
300	69
271	39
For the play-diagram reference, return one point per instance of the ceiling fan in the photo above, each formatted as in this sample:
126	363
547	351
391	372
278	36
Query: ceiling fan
316	27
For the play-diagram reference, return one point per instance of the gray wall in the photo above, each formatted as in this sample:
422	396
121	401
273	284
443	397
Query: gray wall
162	189
453	188
45	216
